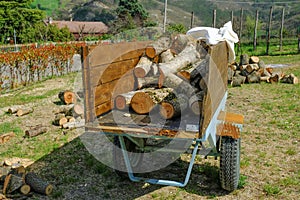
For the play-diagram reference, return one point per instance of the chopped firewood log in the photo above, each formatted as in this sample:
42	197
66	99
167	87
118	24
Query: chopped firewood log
71	118
63	109
242	67
38	130
254	60
143	101
143	67
75	111
17	169
233	66
173	105
253	77
25	111
194	71
187	57
244	59
270	70
230	74
67	97
157	47
238	80
6	137
25	189
180	42
264	72
12	183
60	119
290	79
265	78
148	81
37	184
274	78
261	64
251	67
13	109
195	103
166	56
179	85
122	101
76	124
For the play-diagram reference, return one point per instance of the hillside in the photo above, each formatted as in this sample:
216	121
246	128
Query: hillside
179	11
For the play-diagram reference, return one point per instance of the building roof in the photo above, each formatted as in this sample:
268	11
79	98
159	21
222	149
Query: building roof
81	27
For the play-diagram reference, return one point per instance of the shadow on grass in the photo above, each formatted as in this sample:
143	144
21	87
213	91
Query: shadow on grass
76	174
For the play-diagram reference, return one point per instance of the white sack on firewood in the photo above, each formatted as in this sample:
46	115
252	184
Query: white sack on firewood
213	36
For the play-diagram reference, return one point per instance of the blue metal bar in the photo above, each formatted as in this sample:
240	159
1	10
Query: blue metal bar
158	181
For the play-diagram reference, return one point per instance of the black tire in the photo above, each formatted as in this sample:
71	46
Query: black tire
230	163
118	158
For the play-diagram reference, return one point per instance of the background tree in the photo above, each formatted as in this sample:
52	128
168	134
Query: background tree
130	14
17	16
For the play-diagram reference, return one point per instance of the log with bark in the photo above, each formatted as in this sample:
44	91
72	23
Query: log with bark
38	130
166	56
13	109
254	60
76	111
122	101
179	85
63	109
290	79
143	67
157	47
253	77
60	119
194	71
25	189
12	183
274	78
196	102
180	42
67	97
24	111
37	184
76	124
173	105
148	81
187	57
252	67
6	137
244	59
143	101
238	80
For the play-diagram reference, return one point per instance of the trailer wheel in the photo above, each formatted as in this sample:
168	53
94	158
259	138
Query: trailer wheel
135	156
229	163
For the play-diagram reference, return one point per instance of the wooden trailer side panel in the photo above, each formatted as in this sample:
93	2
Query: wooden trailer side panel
107	71
216	83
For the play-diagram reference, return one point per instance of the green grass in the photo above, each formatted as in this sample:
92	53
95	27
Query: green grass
271	189
48	6
10	127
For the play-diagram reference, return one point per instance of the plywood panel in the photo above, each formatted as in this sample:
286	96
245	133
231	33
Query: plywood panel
217	81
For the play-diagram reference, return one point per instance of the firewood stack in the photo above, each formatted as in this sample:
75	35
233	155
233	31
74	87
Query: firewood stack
70	114
253	70
172	75
16	182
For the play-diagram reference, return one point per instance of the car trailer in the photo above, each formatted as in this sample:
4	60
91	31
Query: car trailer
107	70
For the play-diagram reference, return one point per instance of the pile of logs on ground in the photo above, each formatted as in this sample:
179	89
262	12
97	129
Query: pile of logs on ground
172	75
253	70
17	183
70	114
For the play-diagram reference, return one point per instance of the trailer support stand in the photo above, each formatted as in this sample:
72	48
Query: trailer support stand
132	177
